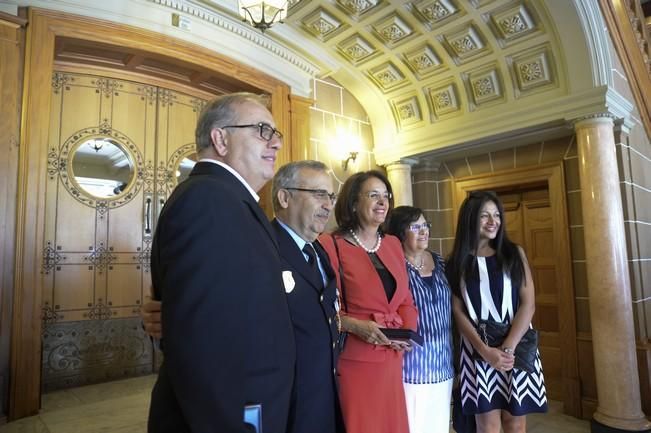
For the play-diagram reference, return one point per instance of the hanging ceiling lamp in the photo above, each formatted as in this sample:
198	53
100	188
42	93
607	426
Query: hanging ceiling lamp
263	14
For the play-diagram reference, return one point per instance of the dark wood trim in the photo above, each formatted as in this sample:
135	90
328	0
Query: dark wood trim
12	47
44	29
18	20
553	176
618	15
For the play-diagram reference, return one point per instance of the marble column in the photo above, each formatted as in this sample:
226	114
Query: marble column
399	174
611	311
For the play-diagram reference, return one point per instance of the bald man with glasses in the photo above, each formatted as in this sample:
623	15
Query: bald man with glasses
215	263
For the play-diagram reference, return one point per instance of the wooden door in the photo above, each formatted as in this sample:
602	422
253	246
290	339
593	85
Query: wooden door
529	222
114	147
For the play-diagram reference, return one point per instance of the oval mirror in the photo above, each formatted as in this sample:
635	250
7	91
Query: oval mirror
102	167
185	167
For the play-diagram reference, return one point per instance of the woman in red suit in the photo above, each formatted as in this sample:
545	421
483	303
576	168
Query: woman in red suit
374	290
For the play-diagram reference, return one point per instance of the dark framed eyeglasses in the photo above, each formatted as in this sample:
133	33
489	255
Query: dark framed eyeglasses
267	131
319	194
416	228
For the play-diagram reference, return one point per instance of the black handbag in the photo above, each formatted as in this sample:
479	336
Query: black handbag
493	334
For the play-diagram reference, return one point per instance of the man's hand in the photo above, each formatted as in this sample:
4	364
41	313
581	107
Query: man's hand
150	313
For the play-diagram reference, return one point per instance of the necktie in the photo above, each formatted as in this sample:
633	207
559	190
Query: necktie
308	249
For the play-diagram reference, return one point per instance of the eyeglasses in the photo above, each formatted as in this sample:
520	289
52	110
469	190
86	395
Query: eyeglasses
376	196
416	228
267	131
320	194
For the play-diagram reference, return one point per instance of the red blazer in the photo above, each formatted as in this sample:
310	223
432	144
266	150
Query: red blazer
365	295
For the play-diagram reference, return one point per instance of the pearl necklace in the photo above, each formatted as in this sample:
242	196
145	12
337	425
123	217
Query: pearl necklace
416	267
368	250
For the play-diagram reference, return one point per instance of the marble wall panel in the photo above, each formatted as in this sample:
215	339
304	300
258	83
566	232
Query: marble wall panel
528	155
503	159
554	150
480	164
328	97
572	182
580	279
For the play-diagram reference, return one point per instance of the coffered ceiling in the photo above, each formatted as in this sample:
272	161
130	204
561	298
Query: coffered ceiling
435	77
435	59
436	74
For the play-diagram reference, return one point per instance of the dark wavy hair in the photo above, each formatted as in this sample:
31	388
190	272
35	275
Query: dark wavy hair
462	262
345	214
400	219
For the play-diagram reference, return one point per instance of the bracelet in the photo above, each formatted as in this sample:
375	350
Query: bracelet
507	350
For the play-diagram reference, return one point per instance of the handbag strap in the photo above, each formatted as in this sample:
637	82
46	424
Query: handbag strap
341	274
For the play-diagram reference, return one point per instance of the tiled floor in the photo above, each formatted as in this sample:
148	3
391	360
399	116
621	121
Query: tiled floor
121	407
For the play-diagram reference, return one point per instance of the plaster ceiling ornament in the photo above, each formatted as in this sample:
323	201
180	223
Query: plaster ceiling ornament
407	111
444	99
532	70
483	85
387	76
436	11
464	44
358	7
356	49
512	23
322	24
423	61
392	29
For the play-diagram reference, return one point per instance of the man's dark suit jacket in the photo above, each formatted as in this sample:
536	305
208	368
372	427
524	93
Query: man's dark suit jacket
228	338
315	407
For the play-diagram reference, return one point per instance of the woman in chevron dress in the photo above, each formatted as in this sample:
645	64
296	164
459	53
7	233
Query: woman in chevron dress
491	279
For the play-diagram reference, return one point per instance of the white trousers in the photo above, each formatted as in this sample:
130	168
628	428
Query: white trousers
428	406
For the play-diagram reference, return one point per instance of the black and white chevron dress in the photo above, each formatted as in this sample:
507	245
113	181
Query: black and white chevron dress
489	294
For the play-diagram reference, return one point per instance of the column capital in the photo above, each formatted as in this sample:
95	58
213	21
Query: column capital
399	174
403	161
604	117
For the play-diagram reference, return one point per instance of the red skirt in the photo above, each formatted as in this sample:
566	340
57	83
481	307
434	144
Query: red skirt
372	395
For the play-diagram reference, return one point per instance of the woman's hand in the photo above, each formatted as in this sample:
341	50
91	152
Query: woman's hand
151	318
401	346
498	359
366	330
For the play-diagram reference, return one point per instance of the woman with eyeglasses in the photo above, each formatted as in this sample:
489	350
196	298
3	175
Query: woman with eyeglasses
374	293
491	279
428	371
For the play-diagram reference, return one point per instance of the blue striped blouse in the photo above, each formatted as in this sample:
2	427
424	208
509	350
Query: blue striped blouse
431	363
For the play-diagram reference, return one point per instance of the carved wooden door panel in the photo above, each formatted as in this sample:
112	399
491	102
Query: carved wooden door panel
529	222
177	118
539	239
106	182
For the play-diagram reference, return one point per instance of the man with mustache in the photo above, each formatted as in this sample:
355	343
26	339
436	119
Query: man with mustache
303	200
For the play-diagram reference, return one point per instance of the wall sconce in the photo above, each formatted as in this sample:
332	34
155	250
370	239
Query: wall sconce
352	156
257	12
